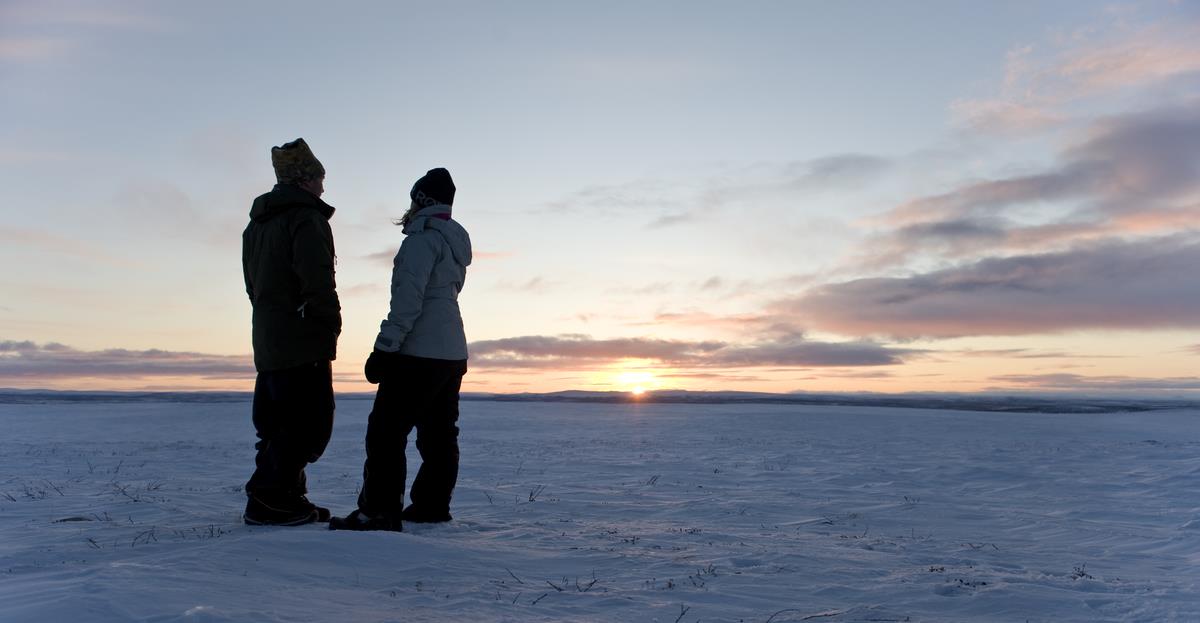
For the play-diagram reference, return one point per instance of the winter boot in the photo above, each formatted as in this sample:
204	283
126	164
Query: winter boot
360	521
416	514
270	512
322	512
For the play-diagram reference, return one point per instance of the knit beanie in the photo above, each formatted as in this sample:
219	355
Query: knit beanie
435	187
294	162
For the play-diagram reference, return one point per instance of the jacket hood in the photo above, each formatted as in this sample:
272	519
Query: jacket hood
283	198
436	217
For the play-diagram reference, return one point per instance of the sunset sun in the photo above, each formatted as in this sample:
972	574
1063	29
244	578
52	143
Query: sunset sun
636	382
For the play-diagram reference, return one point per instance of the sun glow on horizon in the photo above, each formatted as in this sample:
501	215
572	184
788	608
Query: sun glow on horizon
636	382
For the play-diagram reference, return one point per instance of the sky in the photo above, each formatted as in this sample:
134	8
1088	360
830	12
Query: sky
755	196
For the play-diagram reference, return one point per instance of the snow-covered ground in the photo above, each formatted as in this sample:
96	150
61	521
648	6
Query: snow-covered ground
611	512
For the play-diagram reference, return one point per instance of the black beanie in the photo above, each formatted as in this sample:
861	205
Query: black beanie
435	187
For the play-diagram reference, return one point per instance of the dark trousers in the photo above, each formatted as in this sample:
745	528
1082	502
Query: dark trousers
293	416
420	393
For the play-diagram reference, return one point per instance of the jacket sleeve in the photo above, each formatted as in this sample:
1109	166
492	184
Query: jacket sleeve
312	261
246	264
410	274
249	249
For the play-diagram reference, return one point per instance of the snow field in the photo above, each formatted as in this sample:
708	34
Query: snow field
602	512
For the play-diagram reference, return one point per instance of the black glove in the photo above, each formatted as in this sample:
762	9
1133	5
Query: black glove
378	365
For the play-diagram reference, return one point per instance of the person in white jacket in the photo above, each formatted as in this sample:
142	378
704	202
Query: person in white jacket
419	360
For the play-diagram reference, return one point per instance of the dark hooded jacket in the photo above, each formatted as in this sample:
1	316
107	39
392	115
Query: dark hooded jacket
287	261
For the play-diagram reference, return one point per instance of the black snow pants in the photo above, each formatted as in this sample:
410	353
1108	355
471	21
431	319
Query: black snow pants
293	416
421	393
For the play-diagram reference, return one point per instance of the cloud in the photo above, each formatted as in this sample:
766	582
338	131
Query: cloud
836	172
670	220
652	288
552	351
671	202
715	285
804	353
572	351
1003	117
532	285
1124	163
990	198
387	256
1075	382
165	209
362	289
1134	174
72	23
1024	353
711	376
753	324
491	255
1042	81
27	49
60	245
1140	160
1147	284
27	156
80	14
24	360
1148	55
619	199
858	374
629	69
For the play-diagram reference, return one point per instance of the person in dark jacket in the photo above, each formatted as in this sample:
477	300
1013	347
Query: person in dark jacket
288	265
419	360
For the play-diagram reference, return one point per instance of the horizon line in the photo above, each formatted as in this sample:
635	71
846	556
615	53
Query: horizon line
1022	402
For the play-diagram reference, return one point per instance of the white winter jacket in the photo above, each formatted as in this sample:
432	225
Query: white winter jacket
427	275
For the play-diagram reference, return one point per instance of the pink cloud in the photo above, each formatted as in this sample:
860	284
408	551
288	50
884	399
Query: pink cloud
1023	353
761	325
78	18
1148	284
80	14
60	245
1135	174
1040	82
388	256
24	361
492	255
14	49
362	289
533	284
1148	55
579	351
1004	117
1076	382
